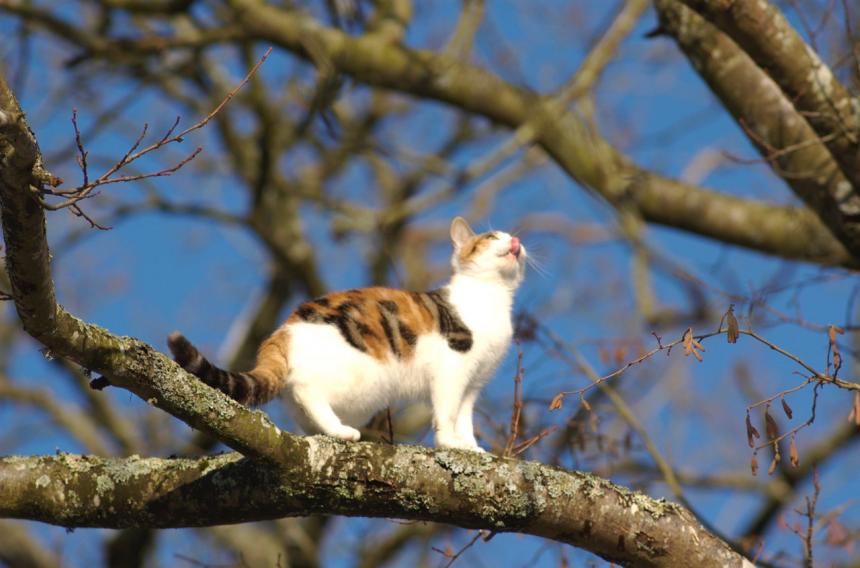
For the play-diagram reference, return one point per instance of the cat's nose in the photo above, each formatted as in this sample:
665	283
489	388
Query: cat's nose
515	246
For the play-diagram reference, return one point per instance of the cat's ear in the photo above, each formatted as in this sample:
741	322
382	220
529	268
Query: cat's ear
460	232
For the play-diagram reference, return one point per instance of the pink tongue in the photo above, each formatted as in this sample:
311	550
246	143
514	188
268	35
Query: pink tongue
515	246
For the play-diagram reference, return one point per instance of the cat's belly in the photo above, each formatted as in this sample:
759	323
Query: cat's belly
355	384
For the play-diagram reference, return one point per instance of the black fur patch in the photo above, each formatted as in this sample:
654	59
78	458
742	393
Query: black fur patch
238	386
408	335
344	316
308	313
395	329
241	387
390	333
450	325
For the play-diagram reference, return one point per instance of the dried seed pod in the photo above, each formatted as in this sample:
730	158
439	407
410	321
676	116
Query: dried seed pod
854	415
698	345
697	356
833	330
556	403
586	405
786	408
771	428
792	454
751	431
772	467
688	341
754	465
733	333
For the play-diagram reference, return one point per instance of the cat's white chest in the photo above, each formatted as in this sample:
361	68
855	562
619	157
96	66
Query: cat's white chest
485	308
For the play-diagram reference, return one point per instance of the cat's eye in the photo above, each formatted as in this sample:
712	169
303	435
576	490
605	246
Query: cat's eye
493	237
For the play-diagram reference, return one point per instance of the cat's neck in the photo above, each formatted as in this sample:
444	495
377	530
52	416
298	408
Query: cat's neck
495	289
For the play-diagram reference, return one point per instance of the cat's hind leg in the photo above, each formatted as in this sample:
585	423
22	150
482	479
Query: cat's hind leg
315	416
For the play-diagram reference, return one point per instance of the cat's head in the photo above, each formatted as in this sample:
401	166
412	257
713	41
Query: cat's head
493	255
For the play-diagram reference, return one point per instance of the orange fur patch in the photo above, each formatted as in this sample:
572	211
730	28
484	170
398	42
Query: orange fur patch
475	246
384	322
272	366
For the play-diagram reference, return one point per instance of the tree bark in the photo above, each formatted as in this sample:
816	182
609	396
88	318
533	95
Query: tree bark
331	477
789	102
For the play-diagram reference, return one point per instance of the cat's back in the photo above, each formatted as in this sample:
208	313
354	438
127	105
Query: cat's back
381	323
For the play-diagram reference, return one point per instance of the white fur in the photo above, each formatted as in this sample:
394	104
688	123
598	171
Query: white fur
334	388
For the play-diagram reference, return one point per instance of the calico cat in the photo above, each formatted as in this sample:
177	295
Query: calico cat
344	357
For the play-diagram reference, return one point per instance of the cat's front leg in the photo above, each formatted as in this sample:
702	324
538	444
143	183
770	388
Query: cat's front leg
448	399
464	428
449	439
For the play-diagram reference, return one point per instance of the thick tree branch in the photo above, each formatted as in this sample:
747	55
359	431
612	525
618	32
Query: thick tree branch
783	136
764	33
361	479
793	107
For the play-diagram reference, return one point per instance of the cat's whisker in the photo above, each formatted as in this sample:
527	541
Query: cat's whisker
535	259
537	265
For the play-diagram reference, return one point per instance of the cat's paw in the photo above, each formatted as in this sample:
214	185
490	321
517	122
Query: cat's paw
346	433
456	443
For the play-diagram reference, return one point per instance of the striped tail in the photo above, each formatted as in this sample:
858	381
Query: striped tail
254	387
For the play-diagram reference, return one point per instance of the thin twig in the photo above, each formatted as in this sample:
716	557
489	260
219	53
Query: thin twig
817	376
518	403
84	191
455	556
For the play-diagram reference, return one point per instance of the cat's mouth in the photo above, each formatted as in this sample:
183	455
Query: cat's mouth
514	251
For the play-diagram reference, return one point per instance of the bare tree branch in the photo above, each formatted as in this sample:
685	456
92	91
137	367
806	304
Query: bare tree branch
790	232
803	150
764	33
787	231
